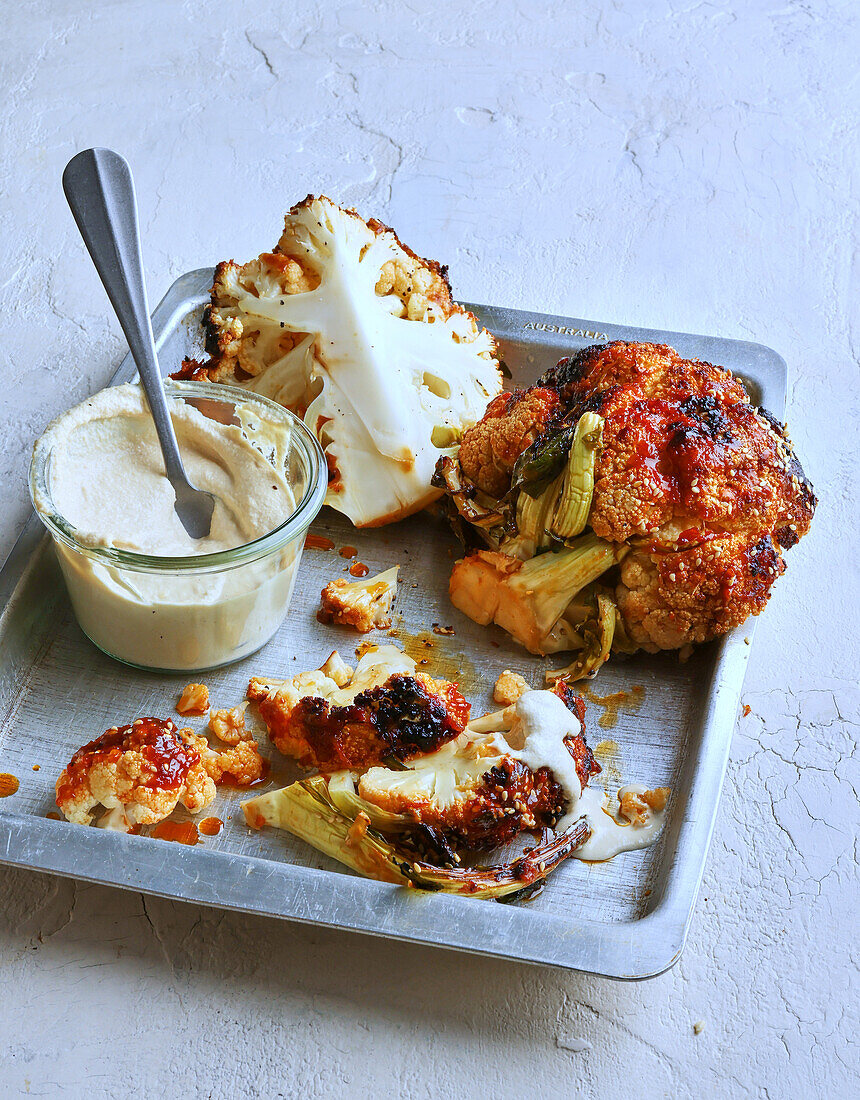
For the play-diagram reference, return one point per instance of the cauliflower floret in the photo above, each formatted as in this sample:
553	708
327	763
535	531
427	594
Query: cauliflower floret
143	771
193	700
242	765
362	604
228	724
667	600
350	329
511	423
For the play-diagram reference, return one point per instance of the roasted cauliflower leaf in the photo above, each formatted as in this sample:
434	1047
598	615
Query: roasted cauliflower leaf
346	326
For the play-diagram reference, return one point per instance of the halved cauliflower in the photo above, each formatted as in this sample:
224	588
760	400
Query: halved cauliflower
384	711
522	768
346	326
363	604
141	772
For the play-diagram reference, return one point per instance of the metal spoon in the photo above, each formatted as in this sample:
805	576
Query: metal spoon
100	191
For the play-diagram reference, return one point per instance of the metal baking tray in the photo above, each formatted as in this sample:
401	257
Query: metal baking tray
627	918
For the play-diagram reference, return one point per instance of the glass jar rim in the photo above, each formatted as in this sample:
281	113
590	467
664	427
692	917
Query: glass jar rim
296	524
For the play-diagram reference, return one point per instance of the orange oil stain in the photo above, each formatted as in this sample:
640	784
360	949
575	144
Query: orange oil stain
318	542
210	826
616	702
8	784
358	569
183	832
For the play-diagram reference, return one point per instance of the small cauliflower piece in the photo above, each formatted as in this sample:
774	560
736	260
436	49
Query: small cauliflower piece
347	327
509	687
362	604
638	806
139	772
228	724
242	765
193	700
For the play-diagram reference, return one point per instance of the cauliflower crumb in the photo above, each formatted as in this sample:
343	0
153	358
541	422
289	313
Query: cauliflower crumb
242	765
228	724
509	687
357	830
193	700
362	604
698	1027
637	808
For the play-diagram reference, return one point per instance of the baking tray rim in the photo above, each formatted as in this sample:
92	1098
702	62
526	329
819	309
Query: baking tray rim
635	949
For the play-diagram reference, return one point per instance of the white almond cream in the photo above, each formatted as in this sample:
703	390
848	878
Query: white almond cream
106	478
102	481
611	835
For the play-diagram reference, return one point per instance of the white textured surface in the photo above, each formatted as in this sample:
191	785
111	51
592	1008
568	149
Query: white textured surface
680	165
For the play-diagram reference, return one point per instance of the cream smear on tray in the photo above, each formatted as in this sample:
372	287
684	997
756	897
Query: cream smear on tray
102	484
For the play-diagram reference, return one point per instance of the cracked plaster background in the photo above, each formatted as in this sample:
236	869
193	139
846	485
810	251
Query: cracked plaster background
685	165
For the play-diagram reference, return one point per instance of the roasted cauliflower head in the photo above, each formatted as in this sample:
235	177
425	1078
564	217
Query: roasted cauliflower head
635	498
350	329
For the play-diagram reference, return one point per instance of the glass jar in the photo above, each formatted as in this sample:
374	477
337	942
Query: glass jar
188	614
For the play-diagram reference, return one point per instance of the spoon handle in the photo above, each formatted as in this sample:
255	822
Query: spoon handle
100	190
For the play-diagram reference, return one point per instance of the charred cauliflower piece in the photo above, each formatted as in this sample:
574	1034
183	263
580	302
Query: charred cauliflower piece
348	328
483	789
385	711
362	604
523	768
139	773
632	447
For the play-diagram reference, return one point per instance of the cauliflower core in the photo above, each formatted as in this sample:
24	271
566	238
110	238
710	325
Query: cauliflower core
697	491
362	604
141	772
347	327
